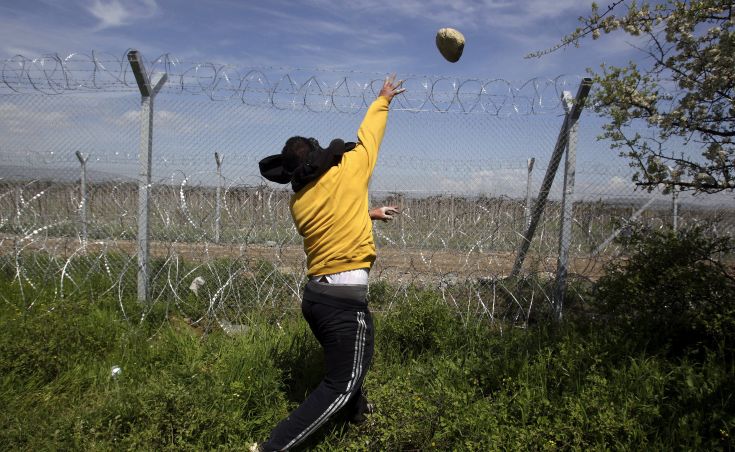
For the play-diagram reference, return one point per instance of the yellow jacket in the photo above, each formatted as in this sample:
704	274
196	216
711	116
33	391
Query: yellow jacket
331	213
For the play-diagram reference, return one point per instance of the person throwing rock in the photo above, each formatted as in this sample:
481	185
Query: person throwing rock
329	207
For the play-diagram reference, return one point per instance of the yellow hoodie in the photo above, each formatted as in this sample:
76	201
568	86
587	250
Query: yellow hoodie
331	213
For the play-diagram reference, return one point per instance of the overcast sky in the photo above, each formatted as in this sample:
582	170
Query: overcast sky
366	35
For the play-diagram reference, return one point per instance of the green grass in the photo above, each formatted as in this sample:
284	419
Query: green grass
439	382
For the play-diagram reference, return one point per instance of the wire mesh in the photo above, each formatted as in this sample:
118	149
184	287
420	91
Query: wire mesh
454	159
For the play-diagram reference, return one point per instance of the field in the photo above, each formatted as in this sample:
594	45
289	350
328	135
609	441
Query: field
440	381
447	229
467	359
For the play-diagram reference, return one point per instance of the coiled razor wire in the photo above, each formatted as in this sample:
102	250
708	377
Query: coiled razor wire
462	246
283	88
458	243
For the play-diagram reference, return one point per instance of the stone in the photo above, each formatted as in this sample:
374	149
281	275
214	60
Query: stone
450	43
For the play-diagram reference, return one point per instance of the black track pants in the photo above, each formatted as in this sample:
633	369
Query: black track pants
339	318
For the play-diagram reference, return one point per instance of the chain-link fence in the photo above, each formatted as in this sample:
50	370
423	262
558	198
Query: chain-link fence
455	159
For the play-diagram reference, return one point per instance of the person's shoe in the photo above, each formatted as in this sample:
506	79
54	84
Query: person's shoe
364	409
255	447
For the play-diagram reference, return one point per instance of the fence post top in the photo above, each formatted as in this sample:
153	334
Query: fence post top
81	157
141	76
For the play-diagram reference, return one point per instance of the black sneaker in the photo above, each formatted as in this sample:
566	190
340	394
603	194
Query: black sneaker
363	409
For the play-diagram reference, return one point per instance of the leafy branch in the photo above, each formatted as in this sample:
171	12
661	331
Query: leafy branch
686	90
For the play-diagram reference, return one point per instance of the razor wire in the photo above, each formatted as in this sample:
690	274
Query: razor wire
283	88
458	179
420	248
462	246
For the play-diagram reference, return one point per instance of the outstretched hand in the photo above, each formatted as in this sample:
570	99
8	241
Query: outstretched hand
391	88
384	213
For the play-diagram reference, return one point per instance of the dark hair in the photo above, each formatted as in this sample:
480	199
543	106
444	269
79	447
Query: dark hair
294	152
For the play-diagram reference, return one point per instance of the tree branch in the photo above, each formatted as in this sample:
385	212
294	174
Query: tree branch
577	35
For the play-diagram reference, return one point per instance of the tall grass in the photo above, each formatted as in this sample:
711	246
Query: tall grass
439	381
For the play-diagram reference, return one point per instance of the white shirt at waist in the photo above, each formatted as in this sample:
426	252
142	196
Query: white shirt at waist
359	276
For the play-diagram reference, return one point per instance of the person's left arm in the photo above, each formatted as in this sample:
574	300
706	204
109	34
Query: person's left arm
384	213
370	133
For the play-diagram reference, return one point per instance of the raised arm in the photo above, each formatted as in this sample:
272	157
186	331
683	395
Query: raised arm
371	131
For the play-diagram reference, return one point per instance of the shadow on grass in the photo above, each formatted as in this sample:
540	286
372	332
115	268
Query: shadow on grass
301	360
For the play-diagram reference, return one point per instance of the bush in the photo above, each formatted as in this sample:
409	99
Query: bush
439	381
671	294
424	325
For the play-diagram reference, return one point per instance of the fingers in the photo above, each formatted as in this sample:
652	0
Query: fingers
384	213
391	83
389	211
397	89
391	88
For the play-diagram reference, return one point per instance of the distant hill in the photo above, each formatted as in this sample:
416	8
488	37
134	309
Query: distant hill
127	173
60	174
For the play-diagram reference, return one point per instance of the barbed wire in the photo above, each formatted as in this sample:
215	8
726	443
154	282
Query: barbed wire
47	242
283	88
68	222
54	236
30	157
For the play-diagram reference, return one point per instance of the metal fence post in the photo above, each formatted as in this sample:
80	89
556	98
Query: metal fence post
674	175
527	207
601	247
83	193
561	143
217	207
567	209
148	92
675	209
452	216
